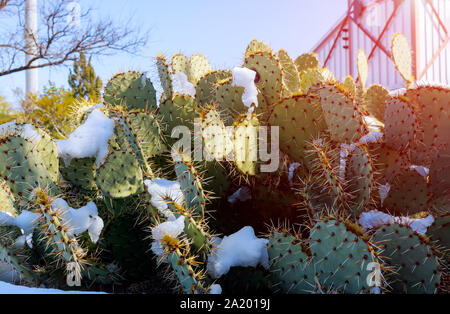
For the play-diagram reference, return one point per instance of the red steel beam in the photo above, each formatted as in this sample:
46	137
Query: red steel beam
368	34
336	40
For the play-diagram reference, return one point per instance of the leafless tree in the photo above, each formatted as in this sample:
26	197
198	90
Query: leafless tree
58	40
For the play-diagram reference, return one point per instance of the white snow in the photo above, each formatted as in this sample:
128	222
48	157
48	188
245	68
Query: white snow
374	219
7	288
26	221
88	140
423	171
80	220
292	169
242	194
371	137
27	131
246	78
383	191
160	190
215	289
173	229
182	85
242	248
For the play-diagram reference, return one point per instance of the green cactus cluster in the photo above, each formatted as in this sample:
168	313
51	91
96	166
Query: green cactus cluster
345	149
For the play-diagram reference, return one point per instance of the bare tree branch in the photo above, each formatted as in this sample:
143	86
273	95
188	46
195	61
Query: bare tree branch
59	40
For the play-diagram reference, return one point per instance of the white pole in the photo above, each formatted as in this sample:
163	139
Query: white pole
31	30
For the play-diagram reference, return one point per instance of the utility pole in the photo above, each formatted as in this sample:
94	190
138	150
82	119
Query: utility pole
31	37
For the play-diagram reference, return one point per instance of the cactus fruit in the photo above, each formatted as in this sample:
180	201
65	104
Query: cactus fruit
402	56
415	263
133	90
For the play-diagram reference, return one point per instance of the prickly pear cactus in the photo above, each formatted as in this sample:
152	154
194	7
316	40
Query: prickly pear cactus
415	265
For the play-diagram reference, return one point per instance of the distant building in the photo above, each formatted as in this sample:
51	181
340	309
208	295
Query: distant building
371	24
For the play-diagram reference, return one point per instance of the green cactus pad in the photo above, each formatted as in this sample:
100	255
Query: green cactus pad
269	77
415	265
375	101
198	67
216	139
7	199
400	120
184	273
306	62
191	187
433	114
164	76
245	144
342	115
402	56
300	119
291	78
363	68
440	231
81	173
207	84
120	175
388	163
25	166
440	179
349	85
181	110
409	194
359	175
291	268
341	256
131	90
180	64
309	79
257	46
16	261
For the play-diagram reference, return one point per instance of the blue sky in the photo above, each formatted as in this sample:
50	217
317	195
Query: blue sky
219	29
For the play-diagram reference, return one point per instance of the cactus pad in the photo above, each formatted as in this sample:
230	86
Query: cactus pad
402	56
132	90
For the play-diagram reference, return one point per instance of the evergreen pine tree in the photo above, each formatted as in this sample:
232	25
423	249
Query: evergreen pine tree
83	80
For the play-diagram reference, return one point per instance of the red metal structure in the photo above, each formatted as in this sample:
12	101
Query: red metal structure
371	24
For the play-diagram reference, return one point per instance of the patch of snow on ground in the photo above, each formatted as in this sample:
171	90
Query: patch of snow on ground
374	219
7	288
88	140
242	248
